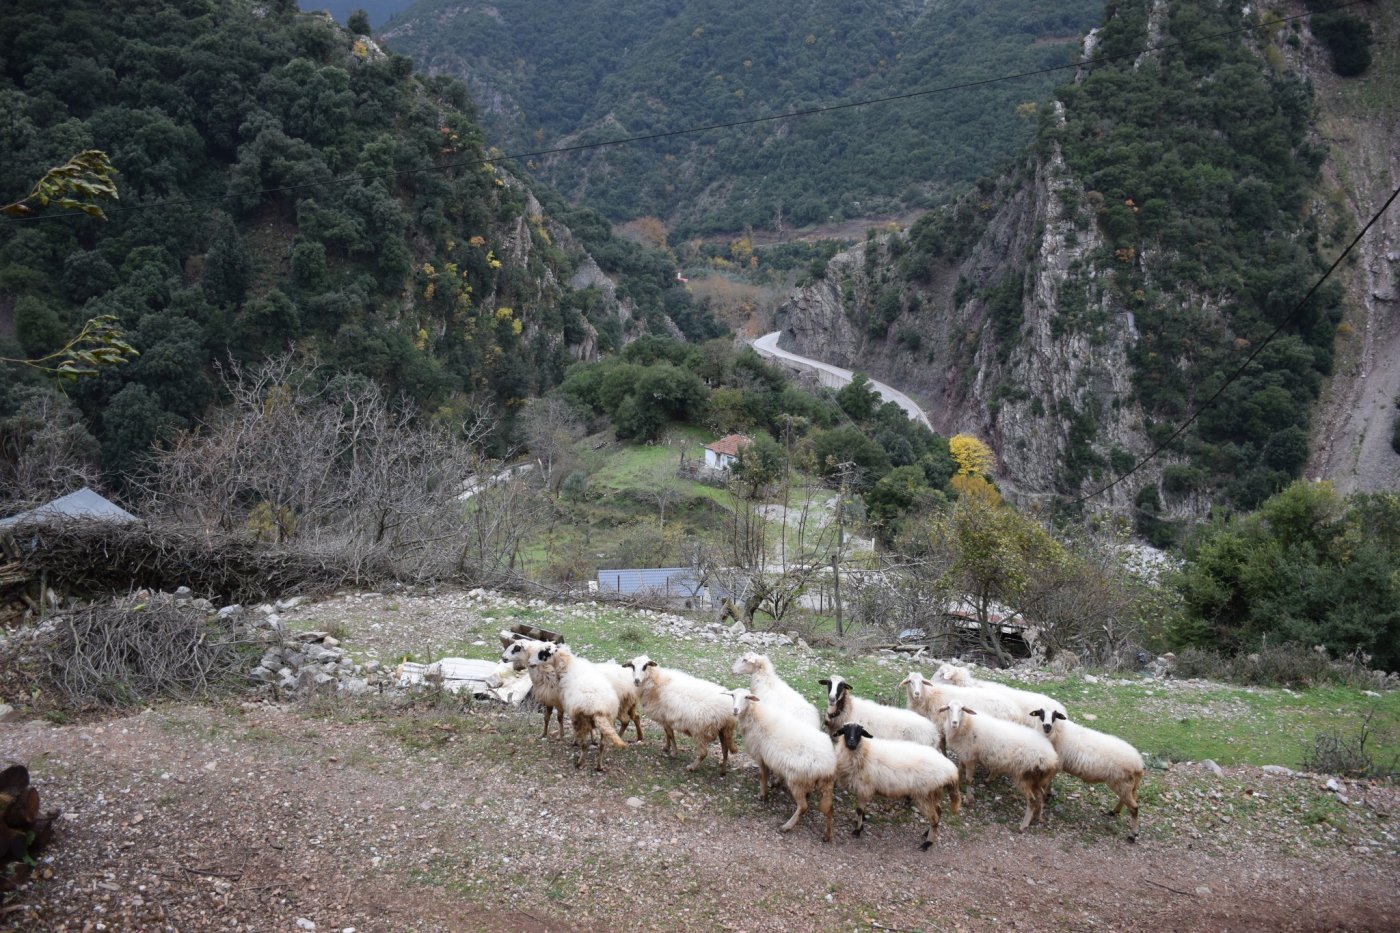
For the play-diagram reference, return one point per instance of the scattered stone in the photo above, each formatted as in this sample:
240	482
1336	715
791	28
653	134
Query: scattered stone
1202	891
183	592
8	713
1089	717
304	924
230	612
1090	679
634	802
1280	770
1333	786
1213	768
1370	693
284	604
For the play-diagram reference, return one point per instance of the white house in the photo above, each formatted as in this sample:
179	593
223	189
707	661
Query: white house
723	453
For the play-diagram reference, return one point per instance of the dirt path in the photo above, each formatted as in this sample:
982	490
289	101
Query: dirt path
365	815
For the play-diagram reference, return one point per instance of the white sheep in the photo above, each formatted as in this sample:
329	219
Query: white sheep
544	681
1005	748
926	697
1026	700
589	699
676	700
791	748
765	683
1096	758
881	721
867	765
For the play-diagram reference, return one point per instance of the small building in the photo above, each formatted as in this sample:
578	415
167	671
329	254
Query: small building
724	453
679	583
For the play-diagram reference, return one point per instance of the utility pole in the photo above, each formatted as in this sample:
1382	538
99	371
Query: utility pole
840	540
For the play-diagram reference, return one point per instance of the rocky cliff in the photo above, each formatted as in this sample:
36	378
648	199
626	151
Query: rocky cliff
1023	316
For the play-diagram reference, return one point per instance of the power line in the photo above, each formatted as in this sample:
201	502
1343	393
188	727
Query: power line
1245	365
708	127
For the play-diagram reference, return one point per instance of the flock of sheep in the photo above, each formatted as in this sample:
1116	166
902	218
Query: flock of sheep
878	750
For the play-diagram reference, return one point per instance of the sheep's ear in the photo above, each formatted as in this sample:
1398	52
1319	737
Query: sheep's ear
825	682
865	734
970	711
752	698
942	709
1037	714
1058	715
906	681
649	663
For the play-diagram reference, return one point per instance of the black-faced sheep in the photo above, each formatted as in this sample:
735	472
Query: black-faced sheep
544	681
882	722
1096	758
867	766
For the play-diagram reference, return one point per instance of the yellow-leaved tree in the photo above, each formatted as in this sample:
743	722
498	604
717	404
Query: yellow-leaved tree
975	461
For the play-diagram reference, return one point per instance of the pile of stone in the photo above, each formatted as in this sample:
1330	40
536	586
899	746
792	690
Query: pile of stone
308	663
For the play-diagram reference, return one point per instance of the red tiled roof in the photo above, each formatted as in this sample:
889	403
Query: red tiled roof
730	445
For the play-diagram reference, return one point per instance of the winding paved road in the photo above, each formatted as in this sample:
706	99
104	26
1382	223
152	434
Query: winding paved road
835	376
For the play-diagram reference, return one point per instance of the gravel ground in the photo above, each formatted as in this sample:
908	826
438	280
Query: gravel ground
392	813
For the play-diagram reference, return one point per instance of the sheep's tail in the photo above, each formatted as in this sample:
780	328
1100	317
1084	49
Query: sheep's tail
604	724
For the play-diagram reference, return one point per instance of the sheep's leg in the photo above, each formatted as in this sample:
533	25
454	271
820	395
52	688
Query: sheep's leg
726	740
763	783
799	793
548	712
825	806
954	797
1127	797
1031	814
929	808
966	768
670	746
862	802
702	751
637	723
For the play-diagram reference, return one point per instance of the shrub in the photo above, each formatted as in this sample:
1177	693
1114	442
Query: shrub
1333	752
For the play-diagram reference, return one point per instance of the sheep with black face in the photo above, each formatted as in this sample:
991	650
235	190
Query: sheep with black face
884	722
1096	758
867	766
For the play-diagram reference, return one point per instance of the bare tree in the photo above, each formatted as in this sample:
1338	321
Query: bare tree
45	451
665	494
551	429
336	467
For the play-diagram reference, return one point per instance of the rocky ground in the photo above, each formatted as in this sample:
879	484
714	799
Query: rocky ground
384	811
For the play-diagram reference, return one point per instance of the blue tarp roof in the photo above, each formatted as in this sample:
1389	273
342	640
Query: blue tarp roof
81	504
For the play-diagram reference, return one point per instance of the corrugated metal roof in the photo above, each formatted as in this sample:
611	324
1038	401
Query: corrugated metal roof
81	504
672	581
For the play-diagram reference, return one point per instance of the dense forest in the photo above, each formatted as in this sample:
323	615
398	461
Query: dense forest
282	183
551	72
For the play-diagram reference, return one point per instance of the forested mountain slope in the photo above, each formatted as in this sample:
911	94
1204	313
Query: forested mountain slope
283	183
1076	311
561	72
